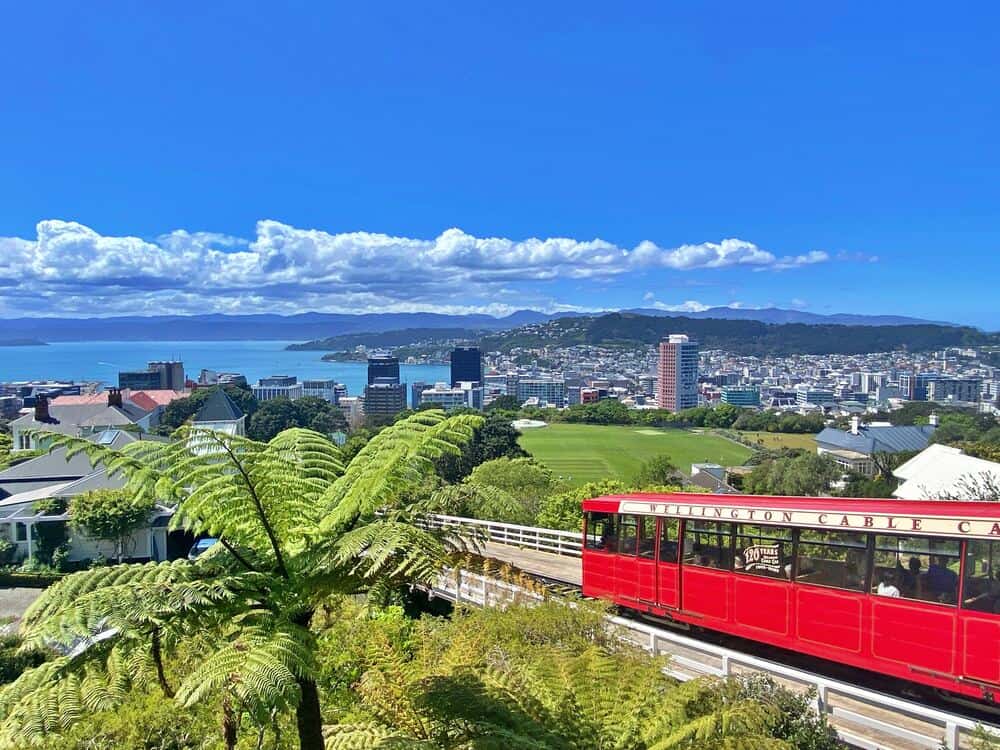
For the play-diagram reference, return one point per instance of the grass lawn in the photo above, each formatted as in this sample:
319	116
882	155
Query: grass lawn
582	453
779	440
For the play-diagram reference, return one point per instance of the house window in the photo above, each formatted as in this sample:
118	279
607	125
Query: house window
20	532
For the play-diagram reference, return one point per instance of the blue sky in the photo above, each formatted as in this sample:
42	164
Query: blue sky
216	156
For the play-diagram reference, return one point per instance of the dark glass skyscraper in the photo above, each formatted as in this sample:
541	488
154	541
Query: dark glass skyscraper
466	365
383	366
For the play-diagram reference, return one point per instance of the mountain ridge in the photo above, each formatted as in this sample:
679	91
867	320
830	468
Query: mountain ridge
316	325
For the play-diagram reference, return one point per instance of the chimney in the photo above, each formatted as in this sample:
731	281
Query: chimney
855	424
932	420
114	397
42	408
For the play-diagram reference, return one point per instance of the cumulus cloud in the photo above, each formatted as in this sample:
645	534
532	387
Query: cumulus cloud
692	305
71	268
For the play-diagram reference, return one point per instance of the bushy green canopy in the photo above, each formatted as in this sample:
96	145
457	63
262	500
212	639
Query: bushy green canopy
294	524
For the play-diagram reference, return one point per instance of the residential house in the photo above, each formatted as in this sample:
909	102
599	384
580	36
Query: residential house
854	449
941	472
54	476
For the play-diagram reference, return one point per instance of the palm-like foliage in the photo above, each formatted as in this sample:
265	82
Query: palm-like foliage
564	700
295	525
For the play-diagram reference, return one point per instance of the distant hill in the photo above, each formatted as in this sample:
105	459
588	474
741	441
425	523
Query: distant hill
217	327
22	342
778	315
750	337
389	339
316	326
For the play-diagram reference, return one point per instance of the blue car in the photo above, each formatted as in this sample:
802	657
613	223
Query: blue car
200	547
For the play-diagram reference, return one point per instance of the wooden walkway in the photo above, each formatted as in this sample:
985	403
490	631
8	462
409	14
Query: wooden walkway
545	564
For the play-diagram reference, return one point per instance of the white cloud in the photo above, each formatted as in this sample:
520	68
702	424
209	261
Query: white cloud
70	268
692	305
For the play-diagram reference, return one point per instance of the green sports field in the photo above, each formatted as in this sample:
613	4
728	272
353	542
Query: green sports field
585	453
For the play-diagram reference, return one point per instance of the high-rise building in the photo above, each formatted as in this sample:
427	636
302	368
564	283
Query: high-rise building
324	389
171	374
278	386
416	389
466	365
139	380
383	366
158	376
805	394
677	387
545	390
955	389
385	397
914	384
745	396
465	394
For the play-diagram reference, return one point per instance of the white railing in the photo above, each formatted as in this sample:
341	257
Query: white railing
527	537
863	718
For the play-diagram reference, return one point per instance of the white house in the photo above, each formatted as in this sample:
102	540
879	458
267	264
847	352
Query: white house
941	472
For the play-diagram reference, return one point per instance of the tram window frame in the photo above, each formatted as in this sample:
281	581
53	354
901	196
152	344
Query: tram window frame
626	520
697	557
977	597
670	541
607	542
764	532
647	538
900	575
833	539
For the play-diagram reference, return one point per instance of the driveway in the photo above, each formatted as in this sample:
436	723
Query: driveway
13	602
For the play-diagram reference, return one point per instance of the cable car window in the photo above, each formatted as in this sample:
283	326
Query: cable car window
763	551
916	567
647	537
981	590
833	558
708	544
628	534
668	540
601	532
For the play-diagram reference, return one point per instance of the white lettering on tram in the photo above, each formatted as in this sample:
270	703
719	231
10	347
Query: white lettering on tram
935	525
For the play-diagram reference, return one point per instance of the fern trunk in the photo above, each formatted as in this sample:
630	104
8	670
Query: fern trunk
308	717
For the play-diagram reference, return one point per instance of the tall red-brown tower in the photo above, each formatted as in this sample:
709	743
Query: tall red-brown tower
677	387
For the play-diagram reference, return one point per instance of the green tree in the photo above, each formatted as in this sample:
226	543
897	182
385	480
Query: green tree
112	515
564	510
497	438
535	679
294	524
504	403
311	412
659	470
523	479
181	410
806	474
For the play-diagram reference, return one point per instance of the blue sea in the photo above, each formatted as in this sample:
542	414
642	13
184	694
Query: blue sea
102	360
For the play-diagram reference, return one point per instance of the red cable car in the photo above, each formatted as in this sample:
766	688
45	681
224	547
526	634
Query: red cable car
907	589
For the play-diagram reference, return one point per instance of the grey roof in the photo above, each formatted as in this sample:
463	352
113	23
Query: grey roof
49	466
218	407
98	480
67	419
871	440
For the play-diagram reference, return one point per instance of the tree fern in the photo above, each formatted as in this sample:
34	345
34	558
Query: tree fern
295	525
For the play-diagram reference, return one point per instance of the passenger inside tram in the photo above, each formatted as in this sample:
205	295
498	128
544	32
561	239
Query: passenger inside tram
887	584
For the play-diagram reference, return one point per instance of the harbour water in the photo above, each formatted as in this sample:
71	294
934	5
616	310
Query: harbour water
102	360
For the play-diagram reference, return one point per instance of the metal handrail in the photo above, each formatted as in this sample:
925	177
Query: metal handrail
556	541
474	588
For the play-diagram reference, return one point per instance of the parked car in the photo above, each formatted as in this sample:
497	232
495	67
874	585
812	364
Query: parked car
201	547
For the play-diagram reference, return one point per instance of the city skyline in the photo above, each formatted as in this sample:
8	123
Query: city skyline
494	159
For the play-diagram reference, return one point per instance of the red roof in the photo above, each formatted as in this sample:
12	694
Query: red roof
145	400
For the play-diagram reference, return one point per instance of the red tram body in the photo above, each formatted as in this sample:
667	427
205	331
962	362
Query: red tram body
906	589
